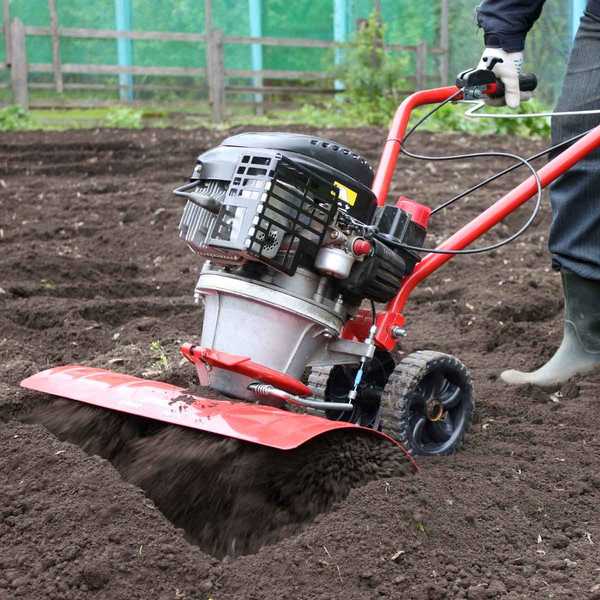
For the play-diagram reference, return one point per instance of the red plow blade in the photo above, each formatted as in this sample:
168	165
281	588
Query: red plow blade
259	424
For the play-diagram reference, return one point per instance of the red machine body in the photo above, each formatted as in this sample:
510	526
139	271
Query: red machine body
272	426
256	423
393	316
244	366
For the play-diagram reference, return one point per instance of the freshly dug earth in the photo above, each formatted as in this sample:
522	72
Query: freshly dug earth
217	489
92	271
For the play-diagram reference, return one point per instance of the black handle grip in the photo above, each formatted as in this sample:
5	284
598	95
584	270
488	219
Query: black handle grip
527	83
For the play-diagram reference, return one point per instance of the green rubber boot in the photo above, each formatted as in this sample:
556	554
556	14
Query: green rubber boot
579	352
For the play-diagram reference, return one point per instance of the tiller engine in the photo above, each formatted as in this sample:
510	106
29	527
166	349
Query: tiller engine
294	242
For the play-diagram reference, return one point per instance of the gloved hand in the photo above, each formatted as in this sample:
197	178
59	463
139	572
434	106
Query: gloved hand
507	67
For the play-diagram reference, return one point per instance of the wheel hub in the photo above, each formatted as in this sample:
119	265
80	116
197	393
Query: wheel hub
434	410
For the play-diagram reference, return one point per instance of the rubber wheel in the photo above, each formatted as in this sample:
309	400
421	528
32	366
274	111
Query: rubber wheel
333	384
427	404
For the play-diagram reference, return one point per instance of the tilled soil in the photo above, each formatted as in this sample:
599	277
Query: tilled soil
92	271
217	489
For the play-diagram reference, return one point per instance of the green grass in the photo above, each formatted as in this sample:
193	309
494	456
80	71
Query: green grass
332	114
117	116
449	119
15	118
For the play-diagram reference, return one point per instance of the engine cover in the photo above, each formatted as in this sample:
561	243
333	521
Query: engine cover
326	158
274	211
266	203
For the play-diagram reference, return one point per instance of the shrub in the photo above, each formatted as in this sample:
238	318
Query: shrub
124	117
374	80
15	118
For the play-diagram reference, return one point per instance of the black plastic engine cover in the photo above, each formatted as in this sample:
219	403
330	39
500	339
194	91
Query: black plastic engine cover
326	157
377	278
326	151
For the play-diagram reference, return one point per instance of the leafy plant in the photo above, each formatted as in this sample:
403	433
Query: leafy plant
124	117
451	118
159	356
374	79
526	127
16	118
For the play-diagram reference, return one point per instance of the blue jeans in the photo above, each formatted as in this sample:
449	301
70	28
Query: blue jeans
575	197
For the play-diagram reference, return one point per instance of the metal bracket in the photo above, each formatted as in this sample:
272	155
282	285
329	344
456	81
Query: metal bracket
476	92
342	352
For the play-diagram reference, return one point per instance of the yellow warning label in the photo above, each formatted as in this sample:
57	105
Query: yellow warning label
345	193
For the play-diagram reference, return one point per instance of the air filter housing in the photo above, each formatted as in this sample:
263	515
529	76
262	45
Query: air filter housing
272	199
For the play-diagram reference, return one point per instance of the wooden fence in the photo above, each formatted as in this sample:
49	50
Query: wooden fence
215	73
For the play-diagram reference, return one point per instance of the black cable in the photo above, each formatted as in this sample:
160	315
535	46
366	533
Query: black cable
427	116
511	238
508	170
373	312
519	159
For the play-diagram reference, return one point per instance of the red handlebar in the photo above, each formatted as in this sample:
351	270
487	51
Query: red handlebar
392	317
391	150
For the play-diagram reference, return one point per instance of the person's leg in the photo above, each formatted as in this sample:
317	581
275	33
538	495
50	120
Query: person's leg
575	231
579	351
575	197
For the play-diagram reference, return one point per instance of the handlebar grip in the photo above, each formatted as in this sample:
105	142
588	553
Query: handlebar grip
527	83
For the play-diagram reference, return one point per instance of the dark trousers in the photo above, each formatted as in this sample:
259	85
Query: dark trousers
575	197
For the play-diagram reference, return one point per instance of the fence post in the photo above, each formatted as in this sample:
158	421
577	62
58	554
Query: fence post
123	19
208	24
255	10
18	69
56	67
340	34
216	73
6	27
421	66
444	41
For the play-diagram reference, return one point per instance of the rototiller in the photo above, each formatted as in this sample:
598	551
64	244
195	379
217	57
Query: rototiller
299	245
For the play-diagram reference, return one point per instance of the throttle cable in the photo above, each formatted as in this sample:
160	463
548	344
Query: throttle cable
474	155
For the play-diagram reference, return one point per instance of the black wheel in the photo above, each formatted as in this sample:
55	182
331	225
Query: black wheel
334	383
427	404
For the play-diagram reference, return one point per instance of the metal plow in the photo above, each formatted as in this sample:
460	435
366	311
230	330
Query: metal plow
256	423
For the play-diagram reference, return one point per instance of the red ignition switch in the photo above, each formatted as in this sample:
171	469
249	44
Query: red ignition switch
361	247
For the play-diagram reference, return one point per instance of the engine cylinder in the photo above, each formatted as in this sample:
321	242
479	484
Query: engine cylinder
250	318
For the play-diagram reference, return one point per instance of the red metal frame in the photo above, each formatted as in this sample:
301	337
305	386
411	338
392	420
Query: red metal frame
244	366
392	316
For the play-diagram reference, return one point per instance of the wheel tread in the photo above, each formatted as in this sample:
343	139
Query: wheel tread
317	380
396	397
